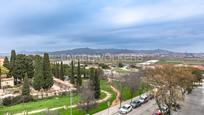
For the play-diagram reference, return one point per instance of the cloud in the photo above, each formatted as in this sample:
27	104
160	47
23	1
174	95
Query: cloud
135	24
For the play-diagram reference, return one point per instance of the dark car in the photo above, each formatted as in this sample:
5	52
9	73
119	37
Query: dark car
135	104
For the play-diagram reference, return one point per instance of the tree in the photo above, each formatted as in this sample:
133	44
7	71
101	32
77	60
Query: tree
6	63
29	66
23	64
47	74
87	99
133	81
120	65
12	64
26	87
0	77
78	80
171	84
198	75
57	71
61	71
19	69
72	81
38	74
97	84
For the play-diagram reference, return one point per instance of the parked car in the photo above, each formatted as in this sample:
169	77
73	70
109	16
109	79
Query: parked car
135	103
151	96
125	109
143	99
165	110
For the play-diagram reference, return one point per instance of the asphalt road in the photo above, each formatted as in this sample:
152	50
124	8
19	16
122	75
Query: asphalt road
193	105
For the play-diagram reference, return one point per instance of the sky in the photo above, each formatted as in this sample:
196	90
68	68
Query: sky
50	25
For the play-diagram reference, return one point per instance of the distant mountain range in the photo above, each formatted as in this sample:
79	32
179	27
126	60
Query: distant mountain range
89	51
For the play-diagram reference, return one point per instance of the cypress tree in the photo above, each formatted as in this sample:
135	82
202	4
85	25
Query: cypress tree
97	84
0	77
79	80
6	63
47	74
26	87
38	74
61	71
84	71
72	73
12	65
57	71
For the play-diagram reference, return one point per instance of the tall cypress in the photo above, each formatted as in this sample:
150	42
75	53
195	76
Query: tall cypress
72	81
0	77
12	65
6	63
57	71
97	84
38	74
79	80
61	71
26	86
47	74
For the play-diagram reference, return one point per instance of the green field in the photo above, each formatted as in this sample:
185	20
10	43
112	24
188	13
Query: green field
99	107
56	102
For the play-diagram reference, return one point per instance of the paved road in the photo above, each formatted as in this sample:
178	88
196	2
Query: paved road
145	109
194	103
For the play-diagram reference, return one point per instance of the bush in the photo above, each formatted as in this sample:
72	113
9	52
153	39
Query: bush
8	101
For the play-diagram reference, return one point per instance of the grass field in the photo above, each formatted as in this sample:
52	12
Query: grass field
41	104
99	107
57	102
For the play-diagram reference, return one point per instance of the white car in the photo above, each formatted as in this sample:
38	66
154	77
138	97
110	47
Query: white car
125	109
143	99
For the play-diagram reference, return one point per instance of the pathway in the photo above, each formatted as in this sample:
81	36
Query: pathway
108	96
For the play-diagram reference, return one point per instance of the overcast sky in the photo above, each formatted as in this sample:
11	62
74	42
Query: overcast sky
49	25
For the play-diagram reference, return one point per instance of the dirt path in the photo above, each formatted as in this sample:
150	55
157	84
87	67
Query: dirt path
108	96
117	99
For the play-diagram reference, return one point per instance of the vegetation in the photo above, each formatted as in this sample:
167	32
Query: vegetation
171	83
95	82
61	71
72	73
6	63
26	87
78	79
23	65
87	99
38	74
47	74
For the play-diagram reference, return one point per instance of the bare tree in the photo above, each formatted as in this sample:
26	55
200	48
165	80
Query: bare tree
87	99
133	81
171	83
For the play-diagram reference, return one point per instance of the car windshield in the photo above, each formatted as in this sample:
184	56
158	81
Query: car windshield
124	107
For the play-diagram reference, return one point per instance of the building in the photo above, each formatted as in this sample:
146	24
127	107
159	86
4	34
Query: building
6	82
1	61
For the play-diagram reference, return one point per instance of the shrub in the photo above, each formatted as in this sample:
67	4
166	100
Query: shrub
8	101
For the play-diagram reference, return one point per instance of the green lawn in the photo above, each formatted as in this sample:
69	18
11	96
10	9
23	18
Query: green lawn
51	102
101	106
45	103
